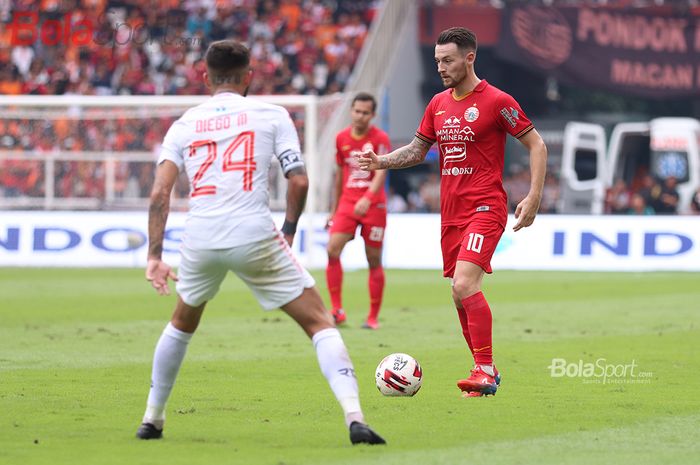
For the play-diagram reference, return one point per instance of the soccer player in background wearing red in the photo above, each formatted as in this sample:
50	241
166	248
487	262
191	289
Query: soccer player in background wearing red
359	200
469	121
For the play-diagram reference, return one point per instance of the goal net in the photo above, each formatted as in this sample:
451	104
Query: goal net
99	152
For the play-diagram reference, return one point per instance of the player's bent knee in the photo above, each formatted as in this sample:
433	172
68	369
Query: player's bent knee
463	288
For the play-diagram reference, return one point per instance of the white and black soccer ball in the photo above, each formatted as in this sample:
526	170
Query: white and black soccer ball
399	375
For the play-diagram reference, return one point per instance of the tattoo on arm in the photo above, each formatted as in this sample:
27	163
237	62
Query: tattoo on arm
406	156
157	217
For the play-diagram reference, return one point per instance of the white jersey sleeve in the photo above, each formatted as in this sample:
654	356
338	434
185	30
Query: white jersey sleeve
287	145
174	145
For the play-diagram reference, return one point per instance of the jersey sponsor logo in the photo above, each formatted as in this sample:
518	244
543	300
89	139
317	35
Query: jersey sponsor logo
358	179
455	134
471	114
508	117
515	113
453	152
455	171
452	122
467	133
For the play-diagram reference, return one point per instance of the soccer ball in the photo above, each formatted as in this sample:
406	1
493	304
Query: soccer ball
399	375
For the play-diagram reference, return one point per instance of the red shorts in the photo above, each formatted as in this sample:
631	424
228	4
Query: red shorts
473	242
373	223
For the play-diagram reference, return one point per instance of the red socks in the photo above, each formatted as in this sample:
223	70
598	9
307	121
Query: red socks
334	279
376	291
464	321
479	324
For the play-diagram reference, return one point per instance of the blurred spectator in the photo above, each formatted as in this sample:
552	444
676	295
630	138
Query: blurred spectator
430	193
517	186
695	203
395	203
668	200
617	198
638	206
550	194
650	191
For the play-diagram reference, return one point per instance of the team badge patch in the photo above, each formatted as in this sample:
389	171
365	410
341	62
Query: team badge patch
471	114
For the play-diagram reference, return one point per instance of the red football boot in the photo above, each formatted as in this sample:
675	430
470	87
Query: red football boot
339	316
479	381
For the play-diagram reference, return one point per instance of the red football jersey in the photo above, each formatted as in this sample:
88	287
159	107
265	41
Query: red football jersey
471	136
355	181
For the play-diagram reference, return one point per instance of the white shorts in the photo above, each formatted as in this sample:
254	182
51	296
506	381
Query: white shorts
268	267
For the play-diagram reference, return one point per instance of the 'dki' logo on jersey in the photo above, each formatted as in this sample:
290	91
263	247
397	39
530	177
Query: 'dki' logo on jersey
471	114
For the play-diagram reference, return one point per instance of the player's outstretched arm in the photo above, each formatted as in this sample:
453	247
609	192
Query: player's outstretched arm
526	210
404	157
157	271
296	199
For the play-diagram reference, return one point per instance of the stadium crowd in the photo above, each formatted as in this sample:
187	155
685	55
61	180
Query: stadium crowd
155	47
646	195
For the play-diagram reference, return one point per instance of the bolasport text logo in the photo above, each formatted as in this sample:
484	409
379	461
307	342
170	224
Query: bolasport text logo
600	371
28	28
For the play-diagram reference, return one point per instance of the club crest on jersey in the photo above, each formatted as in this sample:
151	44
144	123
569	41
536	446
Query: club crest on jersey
471	114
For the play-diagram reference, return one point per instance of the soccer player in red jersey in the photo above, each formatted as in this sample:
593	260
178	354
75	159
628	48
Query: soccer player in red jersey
359	200
469	121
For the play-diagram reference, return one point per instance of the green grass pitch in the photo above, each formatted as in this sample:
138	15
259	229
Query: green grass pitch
76	348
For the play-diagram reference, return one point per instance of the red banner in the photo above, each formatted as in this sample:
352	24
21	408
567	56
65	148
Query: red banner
631	52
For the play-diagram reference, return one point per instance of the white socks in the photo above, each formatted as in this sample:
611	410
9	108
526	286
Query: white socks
337	367
168	356
332	356
488	369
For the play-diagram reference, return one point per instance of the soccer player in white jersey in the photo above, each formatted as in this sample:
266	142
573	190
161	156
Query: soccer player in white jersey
225	145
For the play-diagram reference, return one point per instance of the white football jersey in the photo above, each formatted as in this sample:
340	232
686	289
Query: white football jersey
226	145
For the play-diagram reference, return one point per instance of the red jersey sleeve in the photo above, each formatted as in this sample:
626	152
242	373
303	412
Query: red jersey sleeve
426	129
338	156
511	117
383	144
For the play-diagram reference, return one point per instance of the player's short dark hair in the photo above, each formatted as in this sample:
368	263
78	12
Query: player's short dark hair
227	61
464	38
365	97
